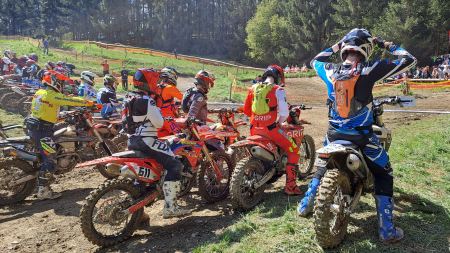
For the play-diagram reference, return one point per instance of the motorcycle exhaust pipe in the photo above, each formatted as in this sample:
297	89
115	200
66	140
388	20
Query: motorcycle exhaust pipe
113	169
261	154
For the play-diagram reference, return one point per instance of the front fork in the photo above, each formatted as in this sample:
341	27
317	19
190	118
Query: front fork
208	157
99	137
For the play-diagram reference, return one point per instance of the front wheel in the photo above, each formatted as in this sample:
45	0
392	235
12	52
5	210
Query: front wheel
105	220
330	218
307	156
12	170
243	195
211	189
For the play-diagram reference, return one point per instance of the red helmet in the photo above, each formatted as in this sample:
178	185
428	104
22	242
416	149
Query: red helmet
205	79
146	79
51	81
276	72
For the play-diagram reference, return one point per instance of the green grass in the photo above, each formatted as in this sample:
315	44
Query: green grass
420	157
89	56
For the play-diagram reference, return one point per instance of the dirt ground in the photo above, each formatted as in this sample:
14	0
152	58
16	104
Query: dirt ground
53	225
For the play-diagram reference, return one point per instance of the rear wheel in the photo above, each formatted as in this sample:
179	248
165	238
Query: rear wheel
105	220
247	172
307	156
209	187
330	220
12	170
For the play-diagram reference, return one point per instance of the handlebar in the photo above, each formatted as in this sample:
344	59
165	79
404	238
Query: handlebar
392	100
300	106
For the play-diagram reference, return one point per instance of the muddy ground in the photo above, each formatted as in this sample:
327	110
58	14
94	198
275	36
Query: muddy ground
53	226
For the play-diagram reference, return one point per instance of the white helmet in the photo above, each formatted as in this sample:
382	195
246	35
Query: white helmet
357	40
88	77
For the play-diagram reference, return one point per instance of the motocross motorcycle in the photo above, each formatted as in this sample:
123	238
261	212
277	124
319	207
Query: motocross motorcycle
265	163
78	141
111	212
227	131
347	178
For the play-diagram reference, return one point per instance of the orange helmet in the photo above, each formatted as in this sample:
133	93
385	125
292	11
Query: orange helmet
276	72
51	81
205	80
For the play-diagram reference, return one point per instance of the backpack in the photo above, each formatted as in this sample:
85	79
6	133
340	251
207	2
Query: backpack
260	103
128	124
186	101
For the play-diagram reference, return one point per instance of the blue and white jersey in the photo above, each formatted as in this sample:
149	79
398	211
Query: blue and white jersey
87	91
369	73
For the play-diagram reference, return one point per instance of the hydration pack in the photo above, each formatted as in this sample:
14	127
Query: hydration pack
186	101
260	103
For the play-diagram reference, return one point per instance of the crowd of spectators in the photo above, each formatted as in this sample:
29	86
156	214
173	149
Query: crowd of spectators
440	69
295	69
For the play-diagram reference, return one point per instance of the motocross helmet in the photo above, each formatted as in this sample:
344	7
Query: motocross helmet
205	80
30	62
169	75
357	40
51	81
33	57
276	72
146	79
88	77
7	53
110	81
50	65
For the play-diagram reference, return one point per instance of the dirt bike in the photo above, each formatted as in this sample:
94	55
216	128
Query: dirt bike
265	163
3	129
347	178
141	183
227	131
78	141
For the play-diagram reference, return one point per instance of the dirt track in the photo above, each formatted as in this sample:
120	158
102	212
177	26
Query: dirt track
53	226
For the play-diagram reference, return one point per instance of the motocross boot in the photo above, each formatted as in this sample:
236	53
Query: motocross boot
387	231
44	190
291	187
306	205
171	209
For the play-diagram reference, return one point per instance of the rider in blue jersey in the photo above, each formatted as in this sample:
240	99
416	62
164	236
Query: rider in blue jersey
349	86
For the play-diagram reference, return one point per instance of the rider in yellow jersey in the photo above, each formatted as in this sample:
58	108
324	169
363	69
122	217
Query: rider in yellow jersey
44	114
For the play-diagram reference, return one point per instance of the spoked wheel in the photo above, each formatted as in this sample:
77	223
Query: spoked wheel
186	182
105	219
10	101
243	195
101	152
24	106
330	218
209	187
12	170
238	154
307	156
120	141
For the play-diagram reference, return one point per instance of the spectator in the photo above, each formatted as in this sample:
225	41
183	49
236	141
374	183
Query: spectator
124	73
287	69
45	44
105	66
175	53
304	68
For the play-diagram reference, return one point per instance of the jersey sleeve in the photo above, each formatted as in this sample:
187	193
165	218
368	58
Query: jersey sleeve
324	68
154	114
248	103
385	68
61	100
174	92
283	107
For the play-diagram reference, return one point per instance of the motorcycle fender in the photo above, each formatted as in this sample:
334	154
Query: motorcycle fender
331	149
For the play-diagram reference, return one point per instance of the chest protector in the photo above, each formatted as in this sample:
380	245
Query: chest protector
346	104
264	104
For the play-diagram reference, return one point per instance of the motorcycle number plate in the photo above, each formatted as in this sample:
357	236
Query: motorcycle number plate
407	101
146	173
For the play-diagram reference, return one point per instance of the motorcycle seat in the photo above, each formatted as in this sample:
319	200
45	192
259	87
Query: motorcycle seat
131	154
345	143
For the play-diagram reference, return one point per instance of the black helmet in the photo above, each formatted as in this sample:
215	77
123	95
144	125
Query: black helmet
33	57
205	80
276	72
357	40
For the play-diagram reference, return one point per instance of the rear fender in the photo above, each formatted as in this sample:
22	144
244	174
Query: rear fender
119	160
142	171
